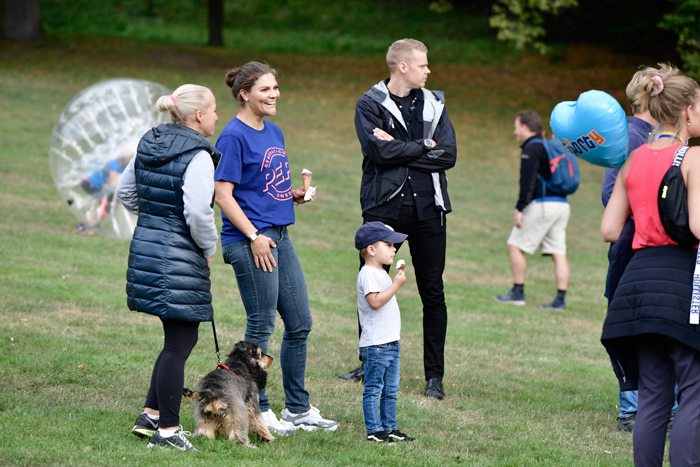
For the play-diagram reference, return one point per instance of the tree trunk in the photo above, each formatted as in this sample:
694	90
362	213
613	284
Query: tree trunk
21	20
216	22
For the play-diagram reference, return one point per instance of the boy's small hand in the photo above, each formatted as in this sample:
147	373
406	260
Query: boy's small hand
400	278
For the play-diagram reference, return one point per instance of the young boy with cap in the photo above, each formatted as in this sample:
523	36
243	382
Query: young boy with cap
380	321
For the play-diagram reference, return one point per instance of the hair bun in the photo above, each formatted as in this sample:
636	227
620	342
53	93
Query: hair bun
231	76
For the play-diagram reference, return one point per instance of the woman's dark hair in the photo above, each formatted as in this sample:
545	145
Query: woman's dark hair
244	78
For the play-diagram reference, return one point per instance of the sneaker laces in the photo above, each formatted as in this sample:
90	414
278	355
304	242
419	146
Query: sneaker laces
181	430
180	433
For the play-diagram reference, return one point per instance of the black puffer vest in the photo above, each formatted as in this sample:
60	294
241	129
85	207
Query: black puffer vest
168	275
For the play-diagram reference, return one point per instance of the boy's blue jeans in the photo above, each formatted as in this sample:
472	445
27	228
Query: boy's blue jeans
382	364
629	402
264	294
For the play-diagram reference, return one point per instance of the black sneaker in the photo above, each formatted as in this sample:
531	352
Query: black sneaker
177	441
396	435
433	389
626	424
512	298
555	305
358	374
144	427
380	437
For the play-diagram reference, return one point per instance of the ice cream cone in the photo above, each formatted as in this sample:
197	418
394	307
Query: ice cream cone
306	176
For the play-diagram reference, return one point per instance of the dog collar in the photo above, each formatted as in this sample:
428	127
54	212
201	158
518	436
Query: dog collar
221	366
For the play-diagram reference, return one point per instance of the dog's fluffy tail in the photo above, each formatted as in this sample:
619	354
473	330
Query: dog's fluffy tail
202	396
211	404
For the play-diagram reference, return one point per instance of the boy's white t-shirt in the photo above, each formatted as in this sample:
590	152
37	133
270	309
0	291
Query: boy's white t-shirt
383	324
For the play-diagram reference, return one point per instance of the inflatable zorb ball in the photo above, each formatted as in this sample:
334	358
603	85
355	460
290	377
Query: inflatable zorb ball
594	128
93	140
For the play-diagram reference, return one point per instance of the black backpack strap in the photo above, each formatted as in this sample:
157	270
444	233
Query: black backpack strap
680	154
694	317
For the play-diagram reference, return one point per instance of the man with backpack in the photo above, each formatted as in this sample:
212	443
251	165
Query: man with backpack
541	213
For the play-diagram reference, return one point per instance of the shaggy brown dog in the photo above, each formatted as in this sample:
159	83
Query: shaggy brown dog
226	399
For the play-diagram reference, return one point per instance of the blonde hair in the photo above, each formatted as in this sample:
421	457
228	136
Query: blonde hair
184	102
400	51
633	88
666	103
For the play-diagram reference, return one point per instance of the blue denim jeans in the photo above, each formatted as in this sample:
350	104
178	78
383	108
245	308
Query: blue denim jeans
629	403
264	294
382	364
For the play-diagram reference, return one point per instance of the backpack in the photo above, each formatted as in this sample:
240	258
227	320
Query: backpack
563	166
673	203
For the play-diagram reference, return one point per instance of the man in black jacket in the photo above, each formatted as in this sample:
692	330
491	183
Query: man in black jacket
407	144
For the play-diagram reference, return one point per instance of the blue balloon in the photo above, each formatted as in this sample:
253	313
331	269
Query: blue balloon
593	128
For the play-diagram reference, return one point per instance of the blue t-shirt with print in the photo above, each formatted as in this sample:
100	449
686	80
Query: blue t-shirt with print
256	162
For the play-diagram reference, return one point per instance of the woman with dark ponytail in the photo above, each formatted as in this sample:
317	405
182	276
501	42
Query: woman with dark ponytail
255	194
651	331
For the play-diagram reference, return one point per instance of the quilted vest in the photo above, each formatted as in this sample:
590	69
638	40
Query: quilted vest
167	275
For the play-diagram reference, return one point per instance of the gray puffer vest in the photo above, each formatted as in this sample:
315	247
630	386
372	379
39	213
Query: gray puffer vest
168	275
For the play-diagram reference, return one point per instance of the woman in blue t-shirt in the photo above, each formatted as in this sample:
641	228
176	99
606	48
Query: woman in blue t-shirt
254	192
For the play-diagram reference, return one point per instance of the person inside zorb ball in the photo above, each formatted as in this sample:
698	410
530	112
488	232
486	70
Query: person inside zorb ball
93	141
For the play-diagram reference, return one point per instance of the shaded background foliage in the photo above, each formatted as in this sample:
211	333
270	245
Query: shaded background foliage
456	27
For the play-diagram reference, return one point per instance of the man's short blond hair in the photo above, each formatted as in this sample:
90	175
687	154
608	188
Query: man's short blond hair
401	50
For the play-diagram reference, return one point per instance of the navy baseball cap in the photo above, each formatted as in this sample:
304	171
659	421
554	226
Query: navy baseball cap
373	232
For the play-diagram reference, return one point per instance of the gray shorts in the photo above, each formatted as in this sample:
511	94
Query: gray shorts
544	226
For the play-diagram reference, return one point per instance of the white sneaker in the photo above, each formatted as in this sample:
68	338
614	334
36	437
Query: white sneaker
310	420
276	426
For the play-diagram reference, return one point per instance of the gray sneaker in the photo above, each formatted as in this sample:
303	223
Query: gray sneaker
512	298
177	441
310	420
144	427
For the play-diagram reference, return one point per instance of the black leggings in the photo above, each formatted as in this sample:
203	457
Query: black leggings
168	378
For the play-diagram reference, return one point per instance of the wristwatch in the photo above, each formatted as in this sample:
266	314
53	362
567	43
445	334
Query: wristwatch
428	144
253	236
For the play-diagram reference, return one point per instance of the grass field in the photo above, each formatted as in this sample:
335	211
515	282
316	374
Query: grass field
524	386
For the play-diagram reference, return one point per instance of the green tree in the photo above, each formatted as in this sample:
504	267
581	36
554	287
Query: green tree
522	22
684	20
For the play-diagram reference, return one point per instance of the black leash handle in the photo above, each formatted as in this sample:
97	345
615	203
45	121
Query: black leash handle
216	342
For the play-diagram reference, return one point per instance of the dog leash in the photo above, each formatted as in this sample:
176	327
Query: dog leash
216	343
